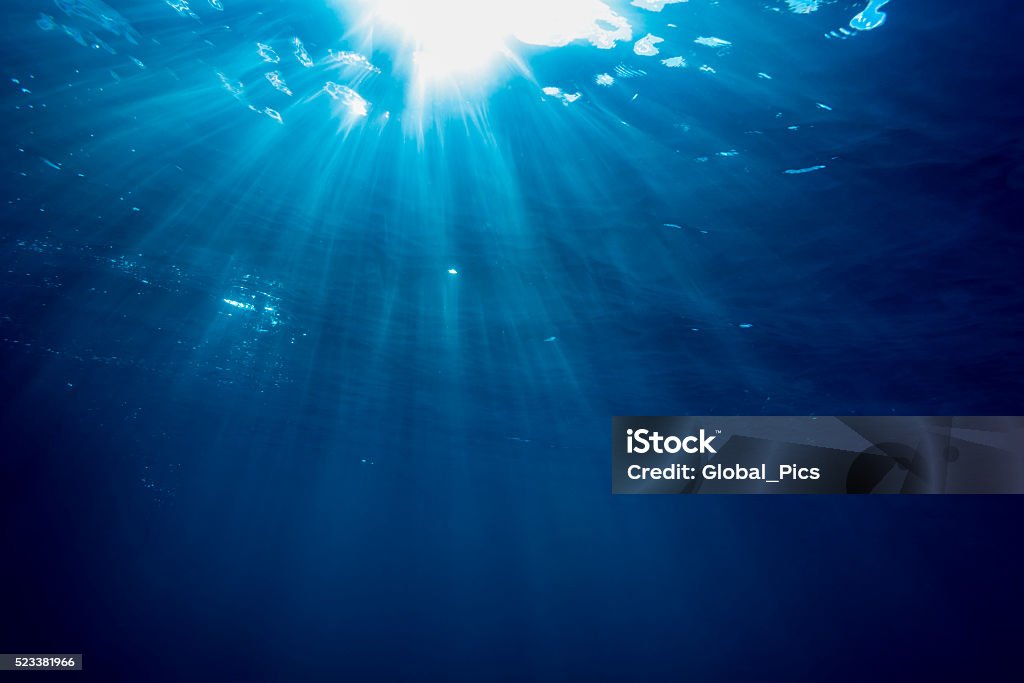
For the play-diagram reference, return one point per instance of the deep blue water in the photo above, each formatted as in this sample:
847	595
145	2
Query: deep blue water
253	428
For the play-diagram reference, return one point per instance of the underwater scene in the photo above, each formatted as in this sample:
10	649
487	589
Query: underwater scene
315	314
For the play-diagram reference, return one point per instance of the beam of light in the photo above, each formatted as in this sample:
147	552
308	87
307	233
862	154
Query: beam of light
310	213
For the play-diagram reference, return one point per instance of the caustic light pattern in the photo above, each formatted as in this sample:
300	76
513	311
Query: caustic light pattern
437	48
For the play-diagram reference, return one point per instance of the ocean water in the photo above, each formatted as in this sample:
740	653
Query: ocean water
309	357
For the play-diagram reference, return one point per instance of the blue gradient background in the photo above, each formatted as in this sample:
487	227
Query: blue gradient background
393	476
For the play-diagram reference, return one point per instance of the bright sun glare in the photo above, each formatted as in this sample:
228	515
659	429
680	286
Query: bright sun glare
459	41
